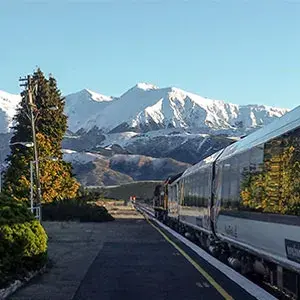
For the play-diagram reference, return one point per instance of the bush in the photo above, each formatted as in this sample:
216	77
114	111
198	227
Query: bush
23	241
75	210
88	195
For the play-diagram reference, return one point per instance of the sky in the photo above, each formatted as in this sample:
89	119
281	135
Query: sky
239	51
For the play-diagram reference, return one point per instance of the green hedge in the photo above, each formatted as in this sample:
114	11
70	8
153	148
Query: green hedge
75	210
23	241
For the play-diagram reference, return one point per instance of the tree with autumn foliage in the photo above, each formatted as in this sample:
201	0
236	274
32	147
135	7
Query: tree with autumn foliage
57	181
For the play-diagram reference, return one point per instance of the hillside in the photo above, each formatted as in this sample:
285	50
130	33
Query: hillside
97	170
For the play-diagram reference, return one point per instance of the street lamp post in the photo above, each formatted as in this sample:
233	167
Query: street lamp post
32	119
29	85
1	177
1	165
32	87
39	207
32	163
31	186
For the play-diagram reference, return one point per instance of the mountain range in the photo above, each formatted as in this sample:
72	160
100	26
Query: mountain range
146	107
146	123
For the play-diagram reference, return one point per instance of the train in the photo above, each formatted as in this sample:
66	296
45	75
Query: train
242	204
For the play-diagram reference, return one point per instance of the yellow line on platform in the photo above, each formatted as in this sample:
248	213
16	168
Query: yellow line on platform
195	264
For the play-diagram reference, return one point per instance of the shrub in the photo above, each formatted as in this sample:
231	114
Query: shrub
75	210
23	241
85	195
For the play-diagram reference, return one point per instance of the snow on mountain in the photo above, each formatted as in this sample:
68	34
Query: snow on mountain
145	133
80	157
82	106
146	107
127	138
120	138
8	106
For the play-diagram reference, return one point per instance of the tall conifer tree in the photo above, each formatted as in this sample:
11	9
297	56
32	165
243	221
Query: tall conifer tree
51	124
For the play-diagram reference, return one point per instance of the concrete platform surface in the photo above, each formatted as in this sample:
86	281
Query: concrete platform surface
124	259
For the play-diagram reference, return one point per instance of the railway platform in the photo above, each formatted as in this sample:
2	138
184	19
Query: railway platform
128	259
146	262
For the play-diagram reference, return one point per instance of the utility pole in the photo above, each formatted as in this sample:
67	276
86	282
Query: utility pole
0	173
31	106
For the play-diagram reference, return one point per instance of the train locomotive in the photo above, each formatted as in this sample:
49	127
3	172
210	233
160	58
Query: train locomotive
242	203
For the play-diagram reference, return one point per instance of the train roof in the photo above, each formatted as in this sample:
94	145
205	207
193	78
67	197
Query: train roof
206	162
175	181
286	123
173	178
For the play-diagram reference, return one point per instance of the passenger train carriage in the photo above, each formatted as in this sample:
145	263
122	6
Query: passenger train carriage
244	202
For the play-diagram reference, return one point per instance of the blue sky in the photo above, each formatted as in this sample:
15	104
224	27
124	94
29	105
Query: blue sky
239	51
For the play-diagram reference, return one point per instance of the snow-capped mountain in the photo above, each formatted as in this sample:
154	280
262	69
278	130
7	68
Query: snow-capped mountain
83	106
8	106
146	133
146	107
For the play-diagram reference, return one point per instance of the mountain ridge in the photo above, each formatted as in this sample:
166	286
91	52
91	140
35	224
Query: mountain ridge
146	133
146	107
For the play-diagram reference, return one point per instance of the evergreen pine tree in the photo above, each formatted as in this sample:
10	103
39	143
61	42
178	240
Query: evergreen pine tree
51	124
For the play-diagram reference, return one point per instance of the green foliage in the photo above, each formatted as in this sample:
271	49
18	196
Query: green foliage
85	195
57	181
75	210
23	241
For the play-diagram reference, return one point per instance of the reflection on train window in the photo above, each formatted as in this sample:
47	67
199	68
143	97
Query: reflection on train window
272	183
218	184
263	179
196	189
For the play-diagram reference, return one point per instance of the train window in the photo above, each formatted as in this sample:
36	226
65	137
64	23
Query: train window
204	190
195	186
198	186
180	191
197	189
230	172
191	194
272	182
226	184
206	184
234	178
200	189
218	184
191	191
186	192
